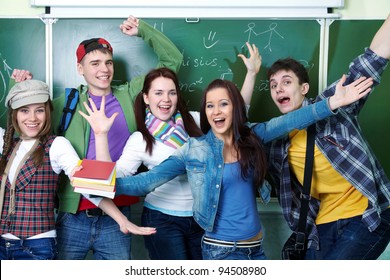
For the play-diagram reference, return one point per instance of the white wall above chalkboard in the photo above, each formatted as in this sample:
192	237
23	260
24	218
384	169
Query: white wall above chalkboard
191	8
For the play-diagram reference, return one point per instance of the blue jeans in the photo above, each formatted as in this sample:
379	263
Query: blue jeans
77	234
350	239
215	252
177	238
29	249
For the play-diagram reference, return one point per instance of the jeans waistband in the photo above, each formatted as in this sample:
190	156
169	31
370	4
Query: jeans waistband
26	242
238	244
93	212
97	212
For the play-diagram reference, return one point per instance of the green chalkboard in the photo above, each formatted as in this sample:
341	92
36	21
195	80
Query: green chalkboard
22	45
348	38
209	47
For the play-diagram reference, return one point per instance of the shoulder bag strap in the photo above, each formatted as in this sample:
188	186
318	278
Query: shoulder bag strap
307	177
71	99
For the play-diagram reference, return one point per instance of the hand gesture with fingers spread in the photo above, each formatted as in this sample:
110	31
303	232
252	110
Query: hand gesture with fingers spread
97	119
348	94
252	63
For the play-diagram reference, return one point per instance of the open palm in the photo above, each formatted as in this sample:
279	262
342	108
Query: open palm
96	118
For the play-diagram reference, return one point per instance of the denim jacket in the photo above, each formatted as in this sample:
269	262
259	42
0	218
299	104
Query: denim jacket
202	159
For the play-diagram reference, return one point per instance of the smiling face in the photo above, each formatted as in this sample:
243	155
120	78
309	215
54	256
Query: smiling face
286	92
162	98
97	67
31	119
219	113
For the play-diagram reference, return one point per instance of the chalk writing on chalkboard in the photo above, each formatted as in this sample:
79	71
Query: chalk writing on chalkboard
211	40
5	71
20	50
209	48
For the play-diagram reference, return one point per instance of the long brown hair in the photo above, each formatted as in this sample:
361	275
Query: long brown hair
250	149
13	127
139	107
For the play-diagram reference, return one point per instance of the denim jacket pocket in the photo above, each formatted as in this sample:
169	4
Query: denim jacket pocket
196	172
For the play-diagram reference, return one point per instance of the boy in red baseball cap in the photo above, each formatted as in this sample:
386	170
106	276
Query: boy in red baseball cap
81	225
89	45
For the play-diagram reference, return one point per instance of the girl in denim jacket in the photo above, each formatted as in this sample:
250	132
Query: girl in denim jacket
227	164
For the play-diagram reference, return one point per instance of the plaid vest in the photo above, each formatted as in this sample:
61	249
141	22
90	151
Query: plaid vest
35	191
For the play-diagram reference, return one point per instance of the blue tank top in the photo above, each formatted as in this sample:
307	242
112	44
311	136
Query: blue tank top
237	216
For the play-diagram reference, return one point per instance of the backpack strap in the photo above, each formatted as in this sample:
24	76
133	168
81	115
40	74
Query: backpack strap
71	99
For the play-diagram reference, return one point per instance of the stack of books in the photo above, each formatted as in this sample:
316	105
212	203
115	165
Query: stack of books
95	178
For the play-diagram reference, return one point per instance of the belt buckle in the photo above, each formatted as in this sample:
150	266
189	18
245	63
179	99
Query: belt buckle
94	212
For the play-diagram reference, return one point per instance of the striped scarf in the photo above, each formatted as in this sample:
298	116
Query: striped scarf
171	133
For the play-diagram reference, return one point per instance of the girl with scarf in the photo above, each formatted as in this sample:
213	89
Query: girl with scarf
164	124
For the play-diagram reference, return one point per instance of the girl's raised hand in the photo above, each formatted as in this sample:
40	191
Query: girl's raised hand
97	119
253	62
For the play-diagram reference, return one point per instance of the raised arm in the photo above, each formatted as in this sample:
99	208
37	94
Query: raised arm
167	53
307	115
380	44
100	124
142	183
367	64
253	64
350	93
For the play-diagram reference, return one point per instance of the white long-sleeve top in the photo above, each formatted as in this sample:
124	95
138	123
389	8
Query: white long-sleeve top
173	198
62	157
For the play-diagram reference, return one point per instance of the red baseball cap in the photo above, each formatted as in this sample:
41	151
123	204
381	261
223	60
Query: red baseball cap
89	45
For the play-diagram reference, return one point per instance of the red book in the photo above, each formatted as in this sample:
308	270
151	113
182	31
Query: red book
95	171
96	178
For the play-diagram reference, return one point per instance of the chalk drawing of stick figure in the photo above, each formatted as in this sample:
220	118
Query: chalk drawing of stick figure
210	39
250	31
271	31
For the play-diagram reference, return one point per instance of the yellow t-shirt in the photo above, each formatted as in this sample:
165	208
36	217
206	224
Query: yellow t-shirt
339	199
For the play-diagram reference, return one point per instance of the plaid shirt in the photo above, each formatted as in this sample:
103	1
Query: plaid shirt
34	199
340	139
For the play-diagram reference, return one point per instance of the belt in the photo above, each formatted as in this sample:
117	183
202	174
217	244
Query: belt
97	212
93	212
238	244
